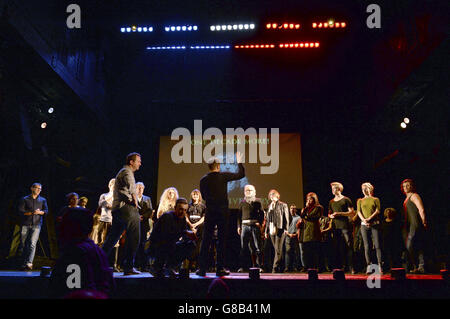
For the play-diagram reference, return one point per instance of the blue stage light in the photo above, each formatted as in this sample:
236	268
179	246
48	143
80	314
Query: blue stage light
181	28
128	29
122	29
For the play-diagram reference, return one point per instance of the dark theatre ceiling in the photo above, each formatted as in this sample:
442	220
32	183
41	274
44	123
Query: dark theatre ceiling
111	96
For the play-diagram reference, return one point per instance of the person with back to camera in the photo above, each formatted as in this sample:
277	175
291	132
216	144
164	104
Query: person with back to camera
213	187
78	250
368	209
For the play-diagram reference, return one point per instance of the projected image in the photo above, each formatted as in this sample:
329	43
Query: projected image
185	177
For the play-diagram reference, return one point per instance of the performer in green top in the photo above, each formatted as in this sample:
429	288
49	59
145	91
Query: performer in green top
368	209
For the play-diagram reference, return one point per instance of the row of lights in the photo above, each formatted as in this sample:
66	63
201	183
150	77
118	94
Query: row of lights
236	27
183	47
50	111
283	26
328	24
181	28
281	45
136	29
232	27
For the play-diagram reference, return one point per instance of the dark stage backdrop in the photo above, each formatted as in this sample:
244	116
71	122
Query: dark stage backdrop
185	177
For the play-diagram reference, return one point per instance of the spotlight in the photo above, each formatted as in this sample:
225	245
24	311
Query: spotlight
144	29
122	29
268	26
406	120
403	125
139	29
133	28
128	29
252	26
50	110
43	125
212	28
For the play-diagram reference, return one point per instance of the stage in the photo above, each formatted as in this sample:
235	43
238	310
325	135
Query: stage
29	285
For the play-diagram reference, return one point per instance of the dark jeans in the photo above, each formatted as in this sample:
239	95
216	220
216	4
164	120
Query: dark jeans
292	253
374	231
344	248
278	242
415	245
28	239
125	218
214	216
311	254
172	254
325	256
251	232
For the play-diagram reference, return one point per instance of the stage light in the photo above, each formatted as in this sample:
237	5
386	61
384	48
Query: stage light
128	29
297	26
122	29
181	28
268	26
406	120
320	25
274	25
211	47
285	25
50	110
178	47
139	29
343	24
43	125
195	28
337	25
316	44
403	125
133	28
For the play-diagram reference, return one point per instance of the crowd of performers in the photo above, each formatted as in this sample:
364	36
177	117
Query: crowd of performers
277	238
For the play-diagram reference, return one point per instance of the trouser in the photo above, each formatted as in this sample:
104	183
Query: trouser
268	254
250	232
214	216
103	230
344	247
375	234
311	254
292	253
325	256
29	238
15	241
125	218
415	245
302	254
172	254
277	242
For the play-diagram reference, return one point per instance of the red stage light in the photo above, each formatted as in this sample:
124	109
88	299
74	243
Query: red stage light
296	45
343	24
285	25
268	26
320	25
325	25
306	45
246	46
311	45
291	45
337	24
297	26
274	25
317	44
291	26
301	45
281	45
314	25
257	46
251	46
272	45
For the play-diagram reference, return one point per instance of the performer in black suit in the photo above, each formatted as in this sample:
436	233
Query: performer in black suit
145	210
213	187
125	212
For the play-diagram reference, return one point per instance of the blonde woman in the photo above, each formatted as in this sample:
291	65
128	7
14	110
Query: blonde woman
167	201
368	209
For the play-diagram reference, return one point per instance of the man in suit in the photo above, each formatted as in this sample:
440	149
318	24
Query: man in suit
145	212
213	187
125	212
